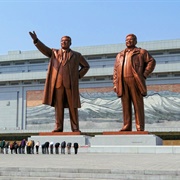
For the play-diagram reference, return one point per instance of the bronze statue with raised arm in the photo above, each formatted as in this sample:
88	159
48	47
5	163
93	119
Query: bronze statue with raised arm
61	90
131	68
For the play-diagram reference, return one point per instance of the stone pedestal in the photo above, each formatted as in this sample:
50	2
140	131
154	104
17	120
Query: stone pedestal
137	138
55	137
59	133
121	142
125	132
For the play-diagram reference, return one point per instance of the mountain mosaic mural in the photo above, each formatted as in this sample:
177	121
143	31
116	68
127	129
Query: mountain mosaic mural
103	111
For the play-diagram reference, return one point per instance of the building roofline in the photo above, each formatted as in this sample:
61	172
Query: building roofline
97	50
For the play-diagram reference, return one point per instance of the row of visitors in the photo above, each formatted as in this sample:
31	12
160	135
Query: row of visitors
30	147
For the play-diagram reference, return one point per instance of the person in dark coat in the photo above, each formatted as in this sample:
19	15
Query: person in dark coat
19	148
23	144
76	146
63	146
32	146
46	146
43	148
2	145
15	145
51	147
57	147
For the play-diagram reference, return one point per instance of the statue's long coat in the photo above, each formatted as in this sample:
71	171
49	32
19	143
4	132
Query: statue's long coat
142	65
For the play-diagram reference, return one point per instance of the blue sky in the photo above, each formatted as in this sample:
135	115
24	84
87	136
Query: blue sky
88	22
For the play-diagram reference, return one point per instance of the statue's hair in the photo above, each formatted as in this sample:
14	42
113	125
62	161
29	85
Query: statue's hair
68	38
133	35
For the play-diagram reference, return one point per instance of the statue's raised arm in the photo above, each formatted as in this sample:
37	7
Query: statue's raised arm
41	47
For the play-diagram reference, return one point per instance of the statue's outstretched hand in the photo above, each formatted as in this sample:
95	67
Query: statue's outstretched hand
33	35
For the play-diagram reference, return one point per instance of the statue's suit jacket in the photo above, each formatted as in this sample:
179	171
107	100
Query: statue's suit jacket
142	65
74	61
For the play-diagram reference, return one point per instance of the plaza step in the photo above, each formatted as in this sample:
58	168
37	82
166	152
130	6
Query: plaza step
13	173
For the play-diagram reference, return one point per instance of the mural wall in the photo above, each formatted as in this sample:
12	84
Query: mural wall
101	109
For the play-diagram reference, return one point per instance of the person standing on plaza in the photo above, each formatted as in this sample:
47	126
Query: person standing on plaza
132	66
61	90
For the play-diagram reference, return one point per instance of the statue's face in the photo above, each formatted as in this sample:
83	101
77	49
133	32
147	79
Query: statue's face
130	41
65	42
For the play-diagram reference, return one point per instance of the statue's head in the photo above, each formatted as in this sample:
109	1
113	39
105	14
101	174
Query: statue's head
131	40
65	42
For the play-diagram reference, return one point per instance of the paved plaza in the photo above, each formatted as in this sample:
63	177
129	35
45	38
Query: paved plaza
90	166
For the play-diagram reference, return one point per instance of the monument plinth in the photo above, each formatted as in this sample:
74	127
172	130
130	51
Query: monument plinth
126	138
60	137
125	132
59	133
